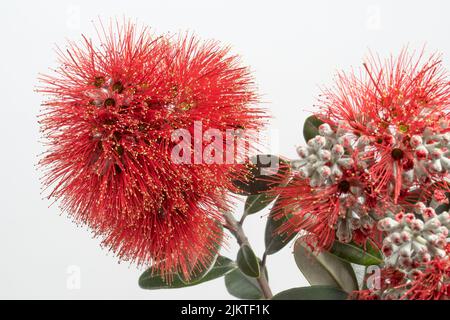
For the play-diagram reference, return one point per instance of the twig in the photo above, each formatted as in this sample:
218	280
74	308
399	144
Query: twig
236	229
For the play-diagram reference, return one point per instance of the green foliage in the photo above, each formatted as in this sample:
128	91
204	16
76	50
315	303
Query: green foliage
248	262
311	127
324	268
312	293
153	280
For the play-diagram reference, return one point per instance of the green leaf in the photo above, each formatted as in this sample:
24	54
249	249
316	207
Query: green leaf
312	293
257	202
149	280
324	268
354	253
248	262
264	172
241	286
441	208
273	240
311	127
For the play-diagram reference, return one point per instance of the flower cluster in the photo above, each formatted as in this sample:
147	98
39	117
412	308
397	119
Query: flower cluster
411	241
108	123
328	193
415	246
375	169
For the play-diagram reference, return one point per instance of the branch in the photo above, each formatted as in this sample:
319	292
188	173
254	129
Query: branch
238	232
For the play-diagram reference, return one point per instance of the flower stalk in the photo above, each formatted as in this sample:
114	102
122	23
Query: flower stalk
235	227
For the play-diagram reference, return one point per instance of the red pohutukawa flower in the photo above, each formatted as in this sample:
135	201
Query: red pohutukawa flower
330	196
112	121
326	214
385	137
401	107
428	281
377	169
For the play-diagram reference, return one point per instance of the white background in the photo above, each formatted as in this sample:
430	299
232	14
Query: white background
292	46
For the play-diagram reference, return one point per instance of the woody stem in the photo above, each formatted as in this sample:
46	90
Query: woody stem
238	232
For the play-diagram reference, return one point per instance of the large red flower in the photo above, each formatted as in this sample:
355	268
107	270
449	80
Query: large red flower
109	122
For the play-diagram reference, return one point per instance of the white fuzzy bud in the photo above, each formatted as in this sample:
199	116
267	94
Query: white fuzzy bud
346	163
302	152
324	171
416	141
436	165
445	162
387	224
337	151
324	155
325	130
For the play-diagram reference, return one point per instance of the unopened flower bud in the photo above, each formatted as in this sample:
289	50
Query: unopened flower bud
344	232
345	141
387	224
415	273
338	151
428	131
297	164
325	130
421	152
419	248
421	206
436	154
303	172
441	242
314	181
415	141
396	238
431	238
440	253
405	262
425	258
409	217
443	231
428	213
408	176
436	165
317	142
445	162
406	236
416	225
432	223
312	158
444	218
445	138
302	152
405	252
324	155
387	249
346	163
324	171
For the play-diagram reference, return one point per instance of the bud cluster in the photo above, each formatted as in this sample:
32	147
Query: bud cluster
331	160
431	154
327	156
414	239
